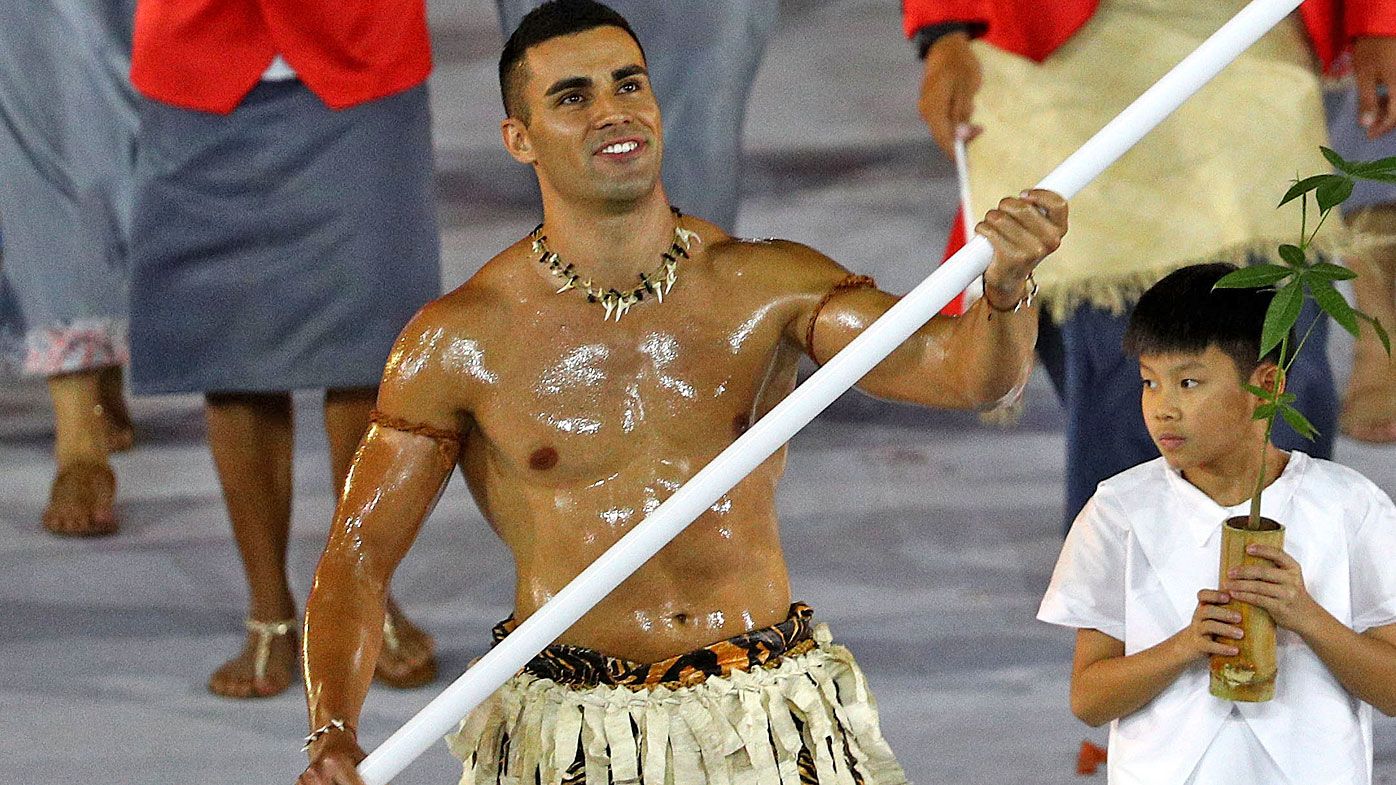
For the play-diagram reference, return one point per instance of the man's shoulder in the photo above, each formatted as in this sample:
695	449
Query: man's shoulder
784	265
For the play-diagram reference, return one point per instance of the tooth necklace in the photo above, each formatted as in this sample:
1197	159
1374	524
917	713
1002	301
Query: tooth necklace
617	303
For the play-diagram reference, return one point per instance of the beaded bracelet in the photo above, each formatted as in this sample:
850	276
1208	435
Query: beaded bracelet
325	730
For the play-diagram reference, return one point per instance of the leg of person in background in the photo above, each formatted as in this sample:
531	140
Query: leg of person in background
67	130
251	437
111	390
84	487
1369	403
1105	431
406	658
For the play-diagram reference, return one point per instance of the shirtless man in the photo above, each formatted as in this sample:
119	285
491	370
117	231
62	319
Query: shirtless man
570	427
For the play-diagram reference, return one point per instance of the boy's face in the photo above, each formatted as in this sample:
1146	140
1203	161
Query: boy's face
1196	410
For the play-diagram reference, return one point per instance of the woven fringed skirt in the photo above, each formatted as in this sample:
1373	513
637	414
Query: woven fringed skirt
785	710
1201	187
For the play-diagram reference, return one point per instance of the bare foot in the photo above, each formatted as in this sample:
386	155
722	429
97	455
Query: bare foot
245	677
81	501
407	658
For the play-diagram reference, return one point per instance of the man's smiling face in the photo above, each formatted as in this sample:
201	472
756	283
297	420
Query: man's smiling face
592	127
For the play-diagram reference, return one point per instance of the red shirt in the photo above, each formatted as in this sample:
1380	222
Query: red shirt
208	54
1035	28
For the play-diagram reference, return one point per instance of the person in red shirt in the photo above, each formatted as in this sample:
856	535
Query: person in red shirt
283	232
1200	188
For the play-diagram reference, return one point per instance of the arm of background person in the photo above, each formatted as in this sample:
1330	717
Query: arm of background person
967	362
401	467
941	31
1371	25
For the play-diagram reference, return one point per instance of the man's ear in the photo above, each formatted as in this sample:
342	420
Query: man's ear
1264	376
517	141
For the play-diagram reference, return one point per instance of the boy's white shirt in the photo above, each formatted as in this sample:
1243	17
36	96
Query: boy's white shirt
1132	565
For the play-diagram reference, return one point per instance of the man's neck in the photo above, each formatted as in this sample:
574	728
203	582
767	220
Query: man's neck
610	246
1232	482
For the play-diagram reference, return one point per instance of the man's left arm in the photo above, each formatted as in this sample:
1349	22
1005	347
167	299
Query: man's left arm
967	362
1364	663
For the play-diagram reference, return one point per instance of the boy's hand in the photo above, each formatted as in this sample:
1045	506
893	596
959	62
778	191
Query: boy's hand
1278	588
1211	630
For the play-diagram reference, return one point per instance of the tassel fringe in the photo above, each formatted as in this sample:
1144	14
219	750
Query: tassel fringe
748	729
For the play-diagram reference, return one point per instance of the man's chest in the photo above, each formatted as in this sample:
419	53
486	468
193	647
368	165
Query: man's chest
581	400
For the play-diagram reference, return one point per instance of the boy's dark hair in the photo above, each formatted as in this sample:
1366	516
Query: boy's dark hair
1183	314
550	20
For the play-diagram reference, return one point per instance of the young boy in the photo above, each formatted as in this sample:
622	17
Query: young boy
1137	576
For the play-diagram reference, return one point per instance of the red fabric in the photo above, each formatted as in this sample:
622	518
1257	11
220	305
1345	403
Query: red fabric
955	242
208	54
1089	758
1035	29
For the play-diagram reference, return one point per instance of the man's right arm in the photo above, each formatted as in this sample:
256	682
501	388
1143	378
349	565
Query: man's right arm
398	473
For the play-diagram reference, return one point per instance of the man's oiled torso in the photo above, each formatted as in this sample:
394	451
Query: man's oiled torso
585	426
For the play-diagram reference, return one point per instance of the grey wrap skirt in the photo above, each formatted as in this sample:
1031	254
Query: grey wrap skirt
282	246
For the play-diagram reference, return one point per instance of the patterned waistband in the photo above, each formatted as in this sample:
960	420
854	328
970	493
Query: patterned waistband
582	667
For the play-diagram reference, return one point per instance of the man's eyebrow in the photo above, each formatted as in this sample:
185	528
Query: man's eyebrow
1187	366
629	70
569	83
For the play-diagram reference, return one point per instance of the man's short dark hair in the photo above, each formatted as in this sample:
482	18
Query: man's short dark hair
550	20
1183	314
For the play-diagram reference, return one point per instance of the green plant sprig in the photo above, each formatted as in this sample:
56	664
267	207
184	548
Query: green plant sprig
1298	279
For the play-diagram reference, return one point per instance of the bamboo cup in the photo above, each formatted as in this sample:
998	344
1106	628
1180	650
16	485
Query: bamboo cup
1250	675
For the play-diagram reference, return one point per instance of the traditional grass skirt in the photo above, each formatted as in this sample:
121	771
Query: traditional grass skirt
804	717
1201	187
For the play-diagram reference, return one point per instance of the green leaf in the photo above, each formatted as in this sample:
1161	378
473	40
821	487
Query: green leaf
1378	177
1253	277
1334	192
1298	422
1379	165
1332	272
1287	398
1293	255
1281	316
1338	161
1264	411
1302	187
1333	303
1379	330
1259	392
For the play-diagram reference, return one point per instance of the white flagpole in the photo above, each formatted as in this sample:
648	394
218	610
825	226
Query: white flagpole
790	415
976	289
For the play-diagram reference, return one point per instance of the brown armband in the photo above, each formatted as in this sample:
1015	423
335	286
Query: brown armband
448	440
848	283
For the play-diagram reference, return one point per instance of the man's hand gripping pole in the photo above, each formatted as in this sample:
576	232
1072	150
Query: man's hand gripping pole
828	383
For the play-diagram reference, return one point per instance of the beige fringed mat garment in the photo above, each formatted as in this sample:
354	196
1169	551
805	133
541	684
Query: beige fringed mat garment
810	718
1202	187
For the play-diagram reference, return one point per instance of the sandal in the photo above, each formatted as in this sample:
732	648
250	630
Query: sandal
262	635
393	646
